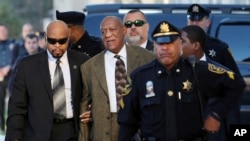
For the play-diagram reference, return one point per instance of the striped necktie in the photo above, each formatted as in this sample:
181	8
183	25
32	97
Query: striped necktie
120	81
59	98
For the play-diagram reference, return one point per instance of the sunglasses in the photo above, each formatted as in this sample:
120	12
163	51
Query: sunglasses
137	23
54	41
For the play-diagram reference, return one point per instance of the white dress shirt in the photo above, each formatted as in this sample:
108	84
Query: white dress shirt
67	80
110	61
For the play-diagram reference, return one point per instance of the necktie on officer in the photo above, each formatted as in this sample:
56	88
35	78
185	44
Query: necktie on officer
59	98
120	81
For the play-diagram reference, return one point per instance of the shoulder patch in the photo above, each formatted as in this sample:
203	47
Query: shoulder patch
216	69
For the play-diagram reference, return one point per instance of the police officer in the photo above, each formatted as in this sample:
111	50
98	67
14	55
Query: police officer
215	49
6	48
80	39
165	102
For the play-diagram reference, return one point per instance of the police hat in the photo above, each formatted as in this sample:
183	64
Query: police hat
165	32
71	17
196	12
40	34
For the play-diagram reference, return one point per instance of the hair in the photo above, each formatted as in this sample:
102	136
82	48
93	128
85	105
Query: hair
195	34
135	11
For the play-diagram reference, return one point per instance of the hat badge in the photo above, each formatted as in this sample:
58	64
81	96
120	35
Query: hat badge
164	28
195	9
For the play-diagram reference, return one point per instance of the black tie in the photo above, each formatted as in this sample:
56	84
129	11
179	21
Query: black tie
59	93
120	80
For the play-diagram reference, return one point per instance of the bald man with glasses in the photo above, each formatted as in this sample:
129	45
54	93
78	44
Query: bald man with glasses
40	82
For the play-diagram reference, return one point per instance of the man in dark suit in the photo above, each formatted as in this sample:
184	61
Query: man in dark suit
137	29
99	81
31	112
80	40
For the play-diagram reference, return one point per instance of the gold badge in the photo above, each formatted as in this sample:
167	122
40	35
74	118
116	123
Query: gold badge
164	28
170	93
187	85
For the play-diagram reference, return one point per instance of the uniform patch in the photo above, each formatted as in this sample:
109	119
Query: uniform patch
150	89
219	70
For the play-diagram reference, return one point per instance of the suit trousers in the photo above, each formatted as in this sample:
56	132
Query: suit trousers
63	132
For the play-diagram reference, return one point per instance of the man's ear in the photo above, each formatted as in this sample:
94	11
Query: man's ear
197	45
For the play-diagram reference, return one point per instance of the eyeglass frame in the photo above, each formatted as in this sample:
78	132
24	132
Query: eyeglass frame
137	23
53	41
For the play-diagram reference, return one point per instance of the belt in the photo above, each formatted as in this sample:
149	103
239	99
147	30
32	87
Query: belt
60	121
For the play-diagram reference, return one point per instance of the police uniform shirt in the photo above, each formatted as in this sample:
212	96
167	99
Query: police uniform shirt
88	45
220	52
148	112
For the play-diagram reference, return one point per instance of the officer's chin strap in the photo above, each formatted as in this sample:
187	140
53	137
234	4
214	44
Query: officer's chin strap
192	60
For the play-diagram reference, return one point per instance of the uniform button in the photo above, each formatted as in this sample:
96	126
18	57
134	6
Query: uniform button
79	46
170	93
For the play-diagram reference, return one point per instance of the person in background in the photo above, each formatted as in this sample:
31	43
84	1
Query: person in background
137	29
216	50
165	102
31	47
44	82
19	48
6	48
99	83
79	37
41	39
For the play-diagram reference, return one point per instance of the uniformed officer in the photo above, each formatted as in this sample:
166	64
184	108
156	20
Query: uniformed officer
165	102
215	49
79	37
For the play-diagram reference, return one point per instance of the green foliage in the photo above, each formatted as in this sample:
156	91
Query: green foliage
12	21
14	13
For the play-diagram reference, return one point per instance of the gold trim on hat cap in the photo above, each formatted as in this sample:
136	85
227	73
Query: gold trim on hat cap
162	34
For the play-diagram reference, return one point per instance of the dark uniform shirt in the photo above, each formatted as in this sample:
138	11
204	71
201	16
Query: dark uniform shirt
221	53
88	45
165	105
6	48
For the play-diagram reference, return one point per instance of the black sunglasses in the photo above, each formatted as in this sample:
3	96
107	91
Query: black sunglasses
137	23
54	41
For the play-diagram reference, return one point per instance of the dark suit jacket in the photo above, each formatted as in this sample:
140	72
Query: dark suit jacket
150	46
30	115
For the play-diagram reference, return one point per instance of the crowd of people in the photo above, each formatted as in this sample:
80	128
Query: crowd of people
66	85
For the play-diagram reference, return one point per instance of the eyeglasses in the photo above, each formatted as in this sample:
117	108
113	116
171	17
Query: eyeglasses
137	23
54	41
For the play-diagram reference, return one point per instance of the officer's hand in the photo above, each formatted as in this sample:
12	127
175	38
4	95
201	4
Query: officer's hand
211	125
